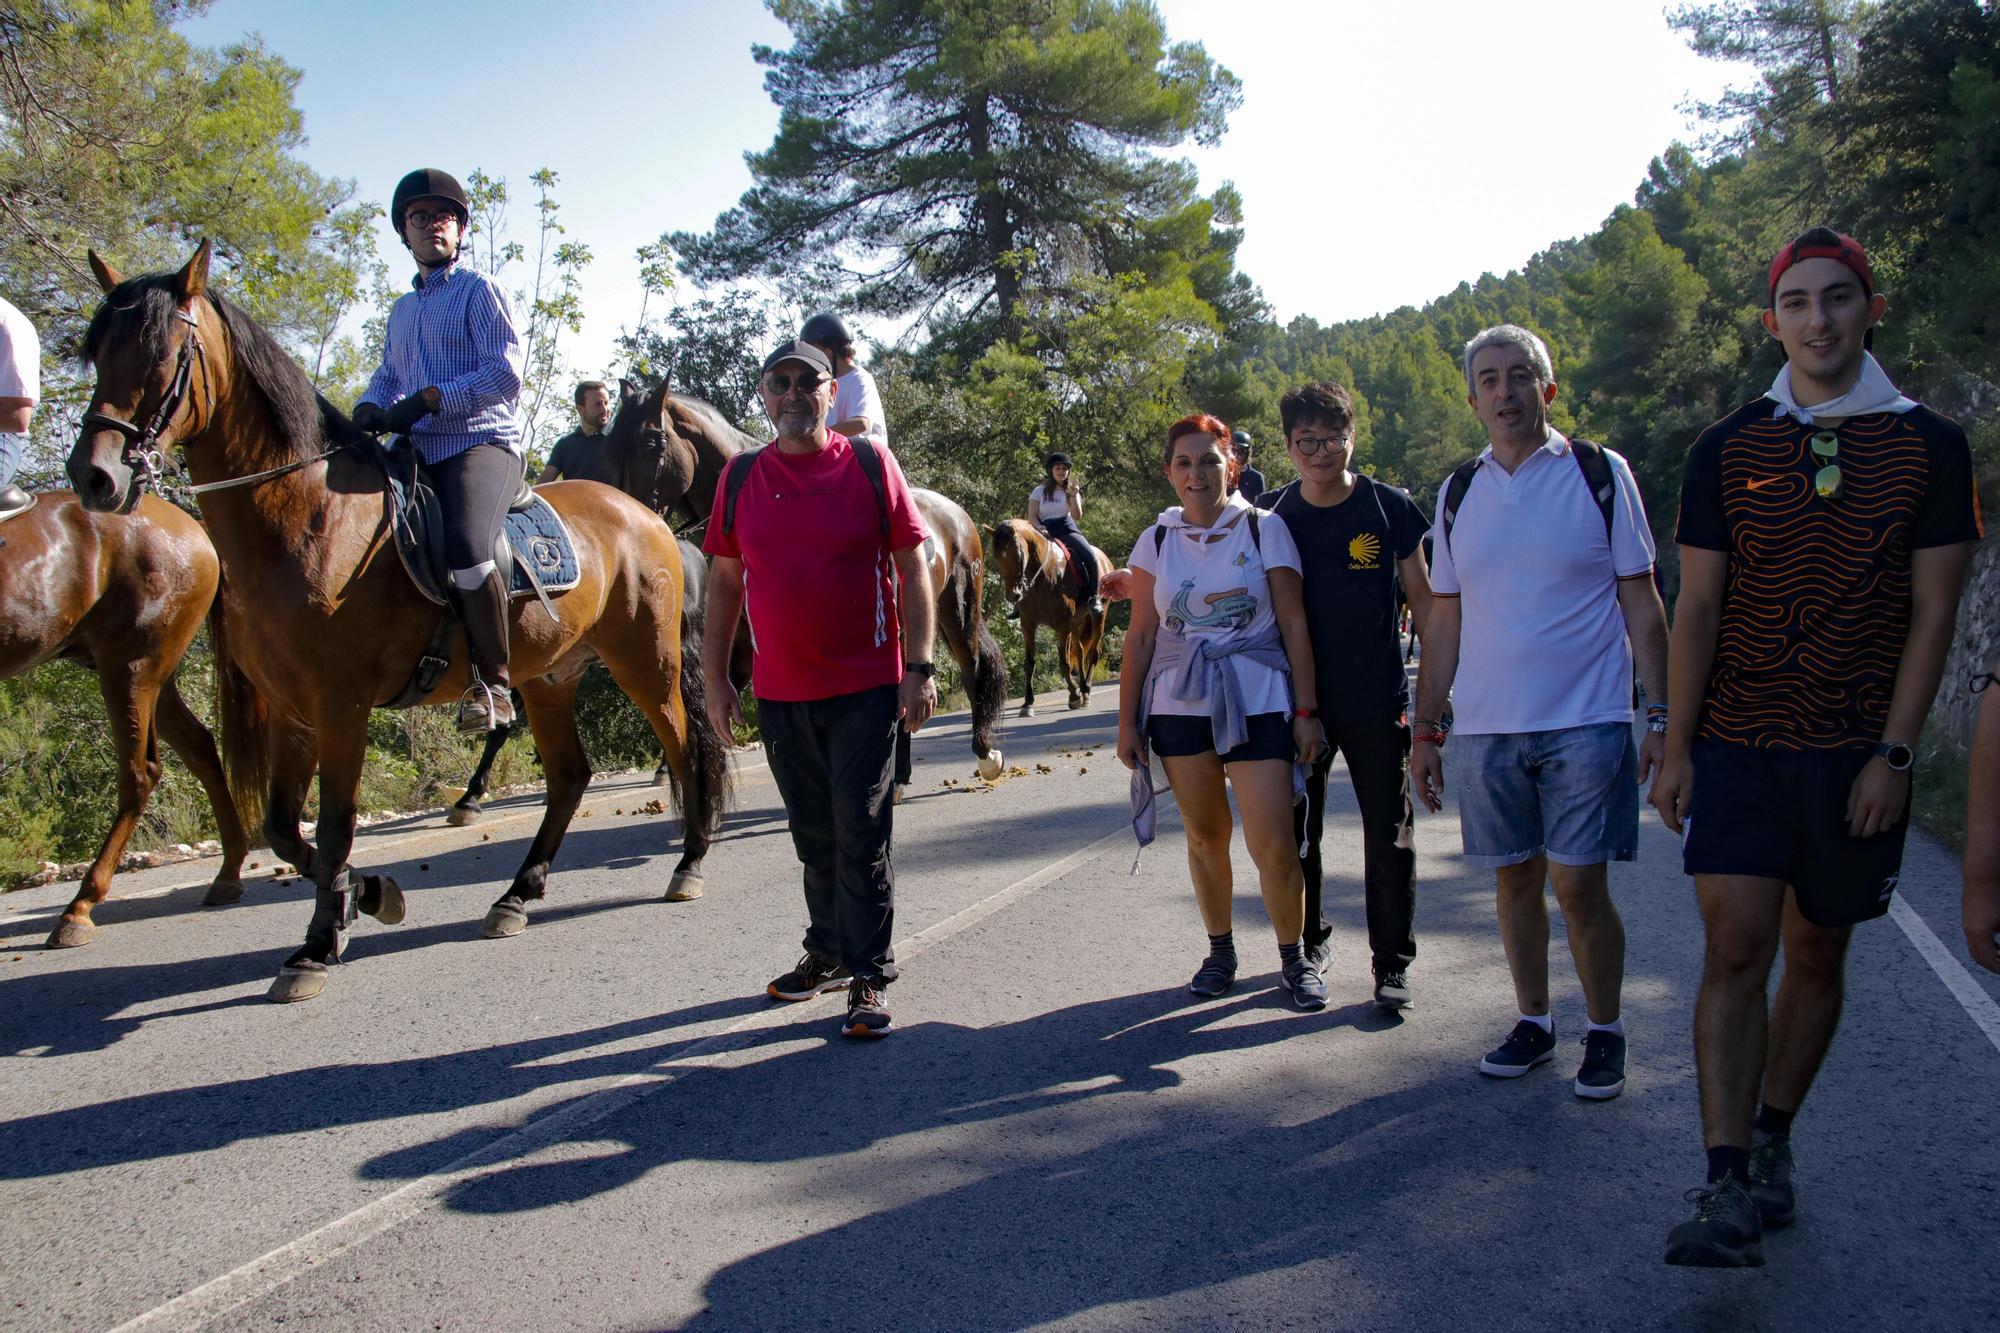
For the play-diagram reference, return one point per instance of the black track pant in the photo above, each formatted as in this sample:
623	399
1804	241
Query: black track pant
1378	760
1066	531
474	489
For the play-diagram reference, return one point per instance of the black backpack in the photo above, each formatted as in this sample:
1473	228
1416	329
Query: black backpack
1589	457
737	472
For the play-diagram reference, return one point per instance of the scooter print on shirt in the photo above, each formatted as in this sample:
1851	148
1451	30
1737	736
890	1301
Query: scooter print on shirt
1231	609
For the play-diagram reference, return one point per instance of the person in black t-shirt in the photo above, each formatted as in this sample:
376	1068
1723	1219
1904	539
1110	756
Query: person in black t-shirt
585	453
1249	481
1357	540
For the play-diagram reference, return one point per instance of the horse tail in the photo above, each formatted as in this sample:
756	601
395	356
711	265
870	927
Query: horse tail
243	716
707	751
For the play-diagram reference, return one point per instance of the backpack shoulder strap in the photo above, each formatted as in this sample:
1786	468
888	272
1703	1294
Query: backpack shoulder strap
1256	533
1455	487
734	476
1159	537
869	455
1597	475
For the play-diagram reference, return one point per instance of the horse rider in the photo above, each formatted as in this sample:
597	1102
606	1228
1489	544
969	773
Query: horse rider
20	388
1055	509
857	404
450	377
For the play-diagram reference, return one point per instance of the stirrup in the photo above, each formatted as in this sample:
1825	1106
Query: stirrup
479	708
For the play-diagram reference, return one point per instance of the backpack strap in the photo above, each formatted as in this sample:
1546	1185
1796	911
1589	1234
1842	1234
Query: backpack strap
869	456
865	453
1256	534
1455	487
733	478
1597	475
1159	537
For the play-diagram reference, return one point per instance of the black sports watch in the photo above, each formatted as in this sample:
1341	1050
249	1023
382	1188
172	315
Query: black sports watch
1897	755
928	670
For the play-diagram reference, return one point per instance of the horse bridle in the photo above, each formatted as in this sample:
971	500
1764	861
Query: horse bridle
141	451
1030	571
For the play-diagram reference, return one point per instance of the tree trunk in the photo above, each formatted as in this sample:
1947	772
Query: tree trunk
996	227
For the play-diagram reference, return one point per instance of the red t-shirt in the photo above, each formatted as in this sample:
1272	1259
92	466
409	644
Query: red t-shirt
818	582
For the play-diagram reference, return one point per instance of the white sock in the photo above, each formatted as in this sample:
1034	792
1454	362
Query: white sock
1616	1025
1546	1022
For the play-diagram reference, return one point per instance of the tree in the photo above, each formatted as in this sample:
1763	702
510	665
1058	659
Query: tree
1805	50
956	151
711	349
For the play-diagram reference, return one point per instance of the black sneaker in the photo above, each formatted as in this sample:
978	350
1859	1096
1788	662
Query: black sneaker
1320	955
1771	1187
867	1013
1723	1233
1392	990
1308	988
1526	1046
1602	1074
815	974
1215	976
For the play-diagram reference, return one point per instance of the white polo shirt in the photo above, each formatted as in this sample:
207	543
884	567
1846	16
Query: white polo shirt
20	356
1542	642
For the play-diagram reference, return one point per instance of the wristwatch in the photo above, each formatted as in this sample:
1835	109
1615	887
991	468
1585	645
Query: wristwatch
1897	755
928	670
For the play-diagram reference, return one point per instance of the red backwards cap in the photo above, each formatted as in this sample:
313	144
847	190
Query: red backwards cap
1822	243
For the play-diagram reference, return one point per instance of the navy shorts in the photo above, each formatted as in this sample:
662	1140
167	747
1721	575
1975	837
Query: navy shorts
1782	814
1266	736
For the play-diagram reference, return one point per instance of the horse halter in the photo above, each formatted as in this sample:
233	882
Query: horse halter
1030	569
142	453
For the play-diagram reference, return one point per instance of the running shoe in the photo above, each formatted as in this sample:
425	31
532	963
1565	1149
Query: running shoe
867	1014
1392	990
1723	1233
1215	976
1771	1187
814	975
1602	1074
1526	1046
1304	982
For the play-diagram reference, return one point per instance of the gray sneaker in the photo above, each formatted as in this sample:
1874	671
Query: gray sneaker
1771	1187
1302	979
1723	1233
1392	990
814	975
1320	955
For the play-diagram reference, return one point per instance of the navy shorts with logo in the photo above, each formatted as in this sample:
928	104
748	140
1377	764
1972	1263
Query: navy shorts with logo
1782	814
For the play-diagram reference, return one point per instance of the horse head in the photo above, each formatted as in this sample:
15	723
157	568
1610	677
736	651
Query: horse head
1013	559
657	465
155	386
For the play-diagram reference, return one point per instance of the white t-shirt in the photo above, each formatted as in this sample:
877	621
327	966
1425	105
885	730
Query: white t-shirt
20	356
1541	642
855	395
1217	590
1045	508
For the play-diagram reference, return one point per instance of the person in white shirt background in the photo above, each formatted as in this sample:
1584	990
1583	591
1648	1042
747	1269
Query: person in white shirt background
857	404
20	389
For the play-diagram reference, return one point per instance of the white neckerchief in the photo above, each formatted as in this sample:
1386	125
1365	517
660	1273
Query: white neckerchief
1871	393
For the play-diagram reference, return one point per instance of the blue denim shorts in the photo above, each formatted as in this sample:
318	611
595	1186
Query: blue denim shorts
1571	795
12	449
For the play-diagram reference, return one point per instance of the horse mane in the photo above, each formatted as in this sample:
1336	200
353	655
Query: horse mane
708	419
143	309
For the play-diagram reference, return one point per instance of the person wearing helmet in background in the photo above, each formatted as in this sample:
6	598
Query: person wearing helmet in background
1249	482
449	381
857	404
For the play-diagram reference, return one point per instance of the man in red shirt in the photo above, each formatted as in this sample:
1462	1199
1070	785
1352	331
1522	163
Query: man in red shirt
835	586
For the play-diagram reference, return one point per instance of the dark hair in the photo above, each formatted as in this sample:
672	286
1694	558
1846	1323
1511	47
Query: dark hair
1321	400
587	386
1199	423
1049	487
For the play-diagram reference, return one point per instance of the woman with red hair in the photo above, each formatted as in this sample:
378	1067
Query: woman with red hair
1218	680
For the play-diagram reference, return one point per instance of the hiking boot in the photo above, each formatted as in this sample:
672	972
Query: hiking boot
814	975
1526	1046
488	704
1723	1233
1215	976
1320	955
1303	980
1392	990
1771	1188
867	1011
1602	1074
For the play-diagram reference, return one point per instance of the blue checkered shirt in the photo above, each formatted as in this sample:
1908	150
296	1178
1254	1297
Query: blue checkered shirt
455	331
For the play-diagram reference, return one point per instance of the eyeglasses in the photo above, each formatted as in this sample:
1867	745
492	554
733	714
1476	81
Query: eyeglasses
1826	447
423	217
1312	444
1978	684
782	384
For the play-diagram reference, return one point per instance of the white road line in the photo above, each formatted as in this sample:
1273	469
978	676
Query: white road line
266	1274
1978	1005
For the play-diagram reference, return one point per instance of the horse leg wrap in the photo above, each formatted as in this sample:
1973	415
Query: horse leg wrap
334	911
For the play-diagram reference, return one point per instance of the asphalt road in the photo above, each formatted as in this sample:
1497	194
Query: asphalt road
603	1122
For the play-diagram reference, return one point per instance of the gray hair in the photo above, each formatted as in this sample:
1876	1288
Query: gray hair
1514	335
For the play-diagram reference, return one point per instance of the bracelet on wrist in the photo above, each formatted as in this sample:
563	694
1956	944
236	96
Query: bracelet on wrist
1305	712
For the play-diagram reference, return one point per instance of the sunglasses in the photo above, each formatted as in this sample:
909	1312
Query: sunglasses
1826	447
781	383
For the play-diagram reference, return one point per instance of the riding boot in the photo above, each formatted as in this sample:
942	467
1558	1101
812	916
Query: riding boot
14	500
488	703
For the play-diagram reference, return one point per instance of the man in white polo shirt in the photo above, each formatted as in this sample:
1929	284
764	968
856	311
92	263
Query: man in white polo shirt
1542	587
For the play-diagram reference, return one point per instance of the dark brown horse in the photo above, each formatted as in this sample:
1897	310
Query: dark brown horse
1034	577
123	595
958	572
322	620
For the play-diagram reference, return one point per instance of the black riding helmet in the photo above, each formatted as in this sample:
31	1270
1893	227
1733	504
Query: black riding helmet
427	183
828	330
1055	458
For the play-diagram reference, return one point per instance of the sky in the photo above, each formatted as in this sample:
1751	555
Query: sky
1385	152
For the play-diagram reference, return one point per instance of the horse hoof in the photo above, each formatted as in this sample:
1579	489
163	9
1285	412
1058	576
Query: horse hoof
71	933
389	910
684	887
896	794
660	776
222	893
990	766
294	984
1076	702
461	815
503	920
1027	710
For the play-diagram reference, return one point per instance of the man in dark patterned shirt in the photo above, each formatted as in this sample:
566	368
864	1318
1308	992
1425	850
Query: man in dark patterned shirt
1825	530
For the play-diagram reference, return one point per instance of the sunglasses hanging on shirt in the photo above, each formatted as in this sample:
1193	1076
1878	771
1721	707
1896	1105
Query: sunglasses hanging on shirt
1826	448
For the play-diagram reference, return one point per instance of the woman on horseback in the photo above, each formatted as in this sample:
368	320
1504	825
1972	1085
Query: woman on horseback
451	374
1055	509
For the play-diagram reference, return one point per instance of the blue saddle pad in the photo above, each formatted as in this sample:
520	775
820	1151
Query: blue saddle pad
539	536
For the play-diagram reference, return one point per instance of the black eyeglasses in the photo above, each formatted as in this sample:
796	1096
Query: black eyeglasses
785	383
1312	444
1978	684
423	217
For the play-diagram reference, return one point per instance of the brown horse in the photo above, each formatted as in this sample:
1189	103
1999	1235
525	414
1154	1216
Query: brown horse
123	595
322	620
1033	578
675	449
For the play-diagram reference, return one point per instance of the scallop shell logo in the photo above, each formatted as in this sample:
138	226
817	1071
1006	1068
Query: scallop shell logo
1364	552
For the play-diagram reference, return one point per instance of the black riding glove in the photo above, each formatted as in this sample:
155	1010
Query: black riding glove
371	418
406	413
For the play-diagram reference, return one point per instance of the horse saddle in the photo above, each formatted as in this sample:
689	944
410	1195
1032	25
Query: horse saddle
534	545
